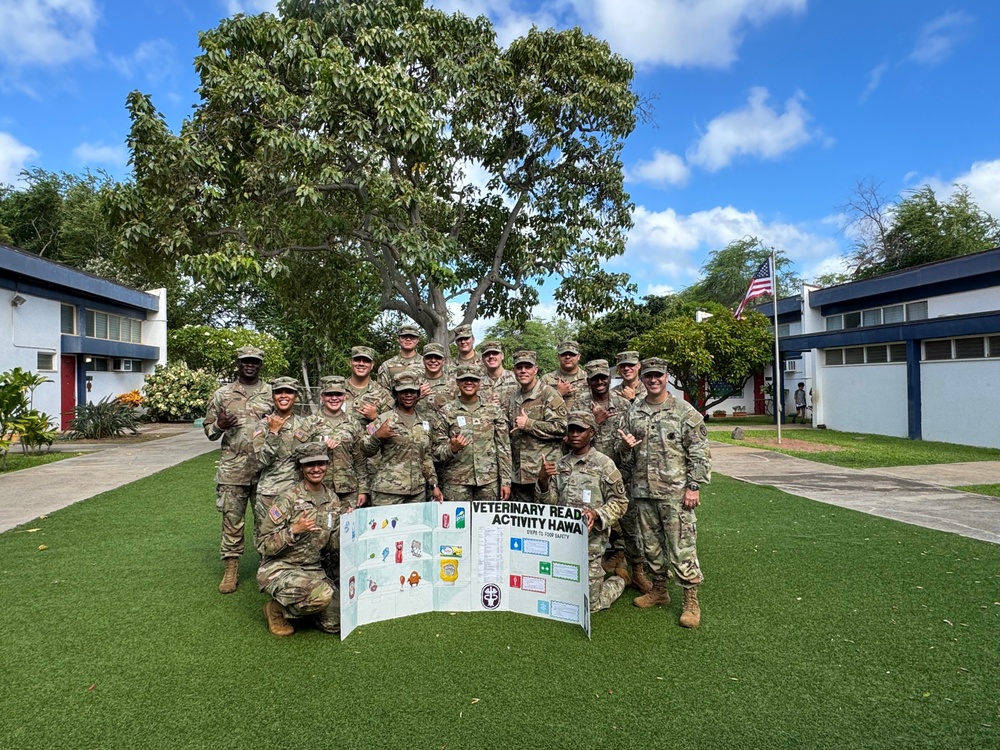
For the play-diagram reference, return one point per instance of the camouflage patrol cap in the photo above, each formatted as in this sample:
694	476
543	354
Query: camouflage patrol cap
492	346
332	384
581	418
363	351
463	332
433	350
405	381
311	453
568	346
408	329
285	384
250	352
597	367
467	372
628	358
526	356
654	364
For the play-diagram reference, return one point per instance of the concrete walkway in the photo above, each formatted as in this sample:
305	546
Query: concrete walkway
913	494
30	493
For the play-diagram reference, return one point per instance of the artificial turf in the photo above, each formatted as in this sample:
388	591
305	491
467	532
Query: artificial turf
822	627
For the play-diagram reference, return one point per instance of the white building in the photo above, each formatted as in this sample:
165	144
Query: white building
908	354
92	337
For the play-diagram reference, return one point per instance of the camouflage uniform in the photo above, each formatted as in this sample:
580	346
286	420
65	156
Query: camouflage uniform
237	472
674	451
499	390
451	365
578	380
406	467
481	468
442	387
298	571
395	365
591	481
630	358
373	393
541	437
606	438
347	474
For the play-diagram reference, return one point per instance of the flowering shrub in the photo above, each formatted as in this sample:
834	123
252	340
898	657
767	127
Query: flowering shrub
177	394
132	399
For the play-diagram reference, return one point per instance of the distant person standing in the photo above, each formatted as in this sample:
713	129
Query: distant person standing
233	412
537	417
800	402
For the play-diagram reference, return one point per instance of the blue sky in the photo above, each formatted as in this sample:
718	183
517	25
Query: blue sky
766	113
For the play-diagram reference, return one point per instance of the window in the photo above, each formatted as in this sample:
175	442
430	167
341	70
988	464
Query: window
876	354
784	330
969	348
897	352
95	364
113	327
893	314
937	349
916	310
67	319
834	356
872	317
852	320
994	344
126	365
835	323
854	355
46	361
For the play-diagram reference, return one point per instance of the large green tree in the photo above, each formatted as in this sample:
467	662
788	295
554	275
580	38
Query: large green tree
395	134
919	229
727	273
540	336
701	356
612	333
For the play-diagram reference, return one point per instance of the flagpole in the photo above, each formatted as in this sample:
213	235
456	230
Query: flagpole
776	380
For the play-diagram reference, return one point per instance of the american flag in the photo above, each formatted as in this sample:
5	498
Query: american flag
759	284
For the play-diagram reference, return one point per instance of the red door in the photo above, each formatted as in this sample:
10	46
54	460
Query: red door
67	387
759	397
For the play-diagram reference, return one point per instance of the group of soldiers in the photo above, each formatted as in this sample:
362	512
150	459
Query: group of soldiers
426	426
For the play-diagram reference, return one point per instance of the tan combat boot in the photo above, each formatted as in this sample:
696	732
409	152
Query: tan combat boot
657	595
691	616
639	579
231	578
276	621
622	572
614	562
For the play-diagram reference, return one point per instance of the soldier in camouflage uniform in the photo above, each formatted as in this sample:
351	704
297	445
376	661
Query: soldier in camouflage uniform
609	411
407	359
465	342
570	380
367	399
403	440
274	442
233	412
347	474
436	387
537	416
665	452
471	440
498	384
586	478
631	387
297	543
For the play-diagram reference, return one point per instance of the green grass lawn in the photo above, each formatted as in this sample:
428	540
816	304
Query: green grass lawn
982	489
822	628
18	461
861	451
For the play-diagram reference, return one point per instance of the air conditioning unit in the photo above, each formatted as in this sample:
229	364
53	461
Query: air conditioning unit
791	365
121	365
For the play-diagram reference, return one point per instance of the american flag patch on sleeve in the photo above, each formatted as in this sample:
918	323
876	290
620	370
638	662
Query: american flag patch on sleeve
275	513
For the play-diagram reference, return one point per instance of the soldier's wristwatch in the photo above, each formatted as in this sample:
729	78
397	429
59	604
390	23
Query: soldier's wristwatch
693	486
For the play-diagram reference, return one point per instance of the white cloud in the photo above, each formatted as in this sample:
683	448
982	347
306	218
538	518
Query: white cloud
939	37
679	32
89	154
250	7
665	168
47	32
874	80
755	130
983	181
153	60
14	157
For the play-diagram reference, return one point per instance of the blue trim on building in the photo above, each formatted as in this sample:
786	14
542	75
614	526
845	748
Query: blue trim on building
789	309
45	278
914	415
104	348
962	274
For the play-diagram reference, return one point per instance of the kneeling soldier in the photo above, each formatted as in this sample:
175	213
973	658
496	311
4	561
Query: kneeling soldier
298	538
